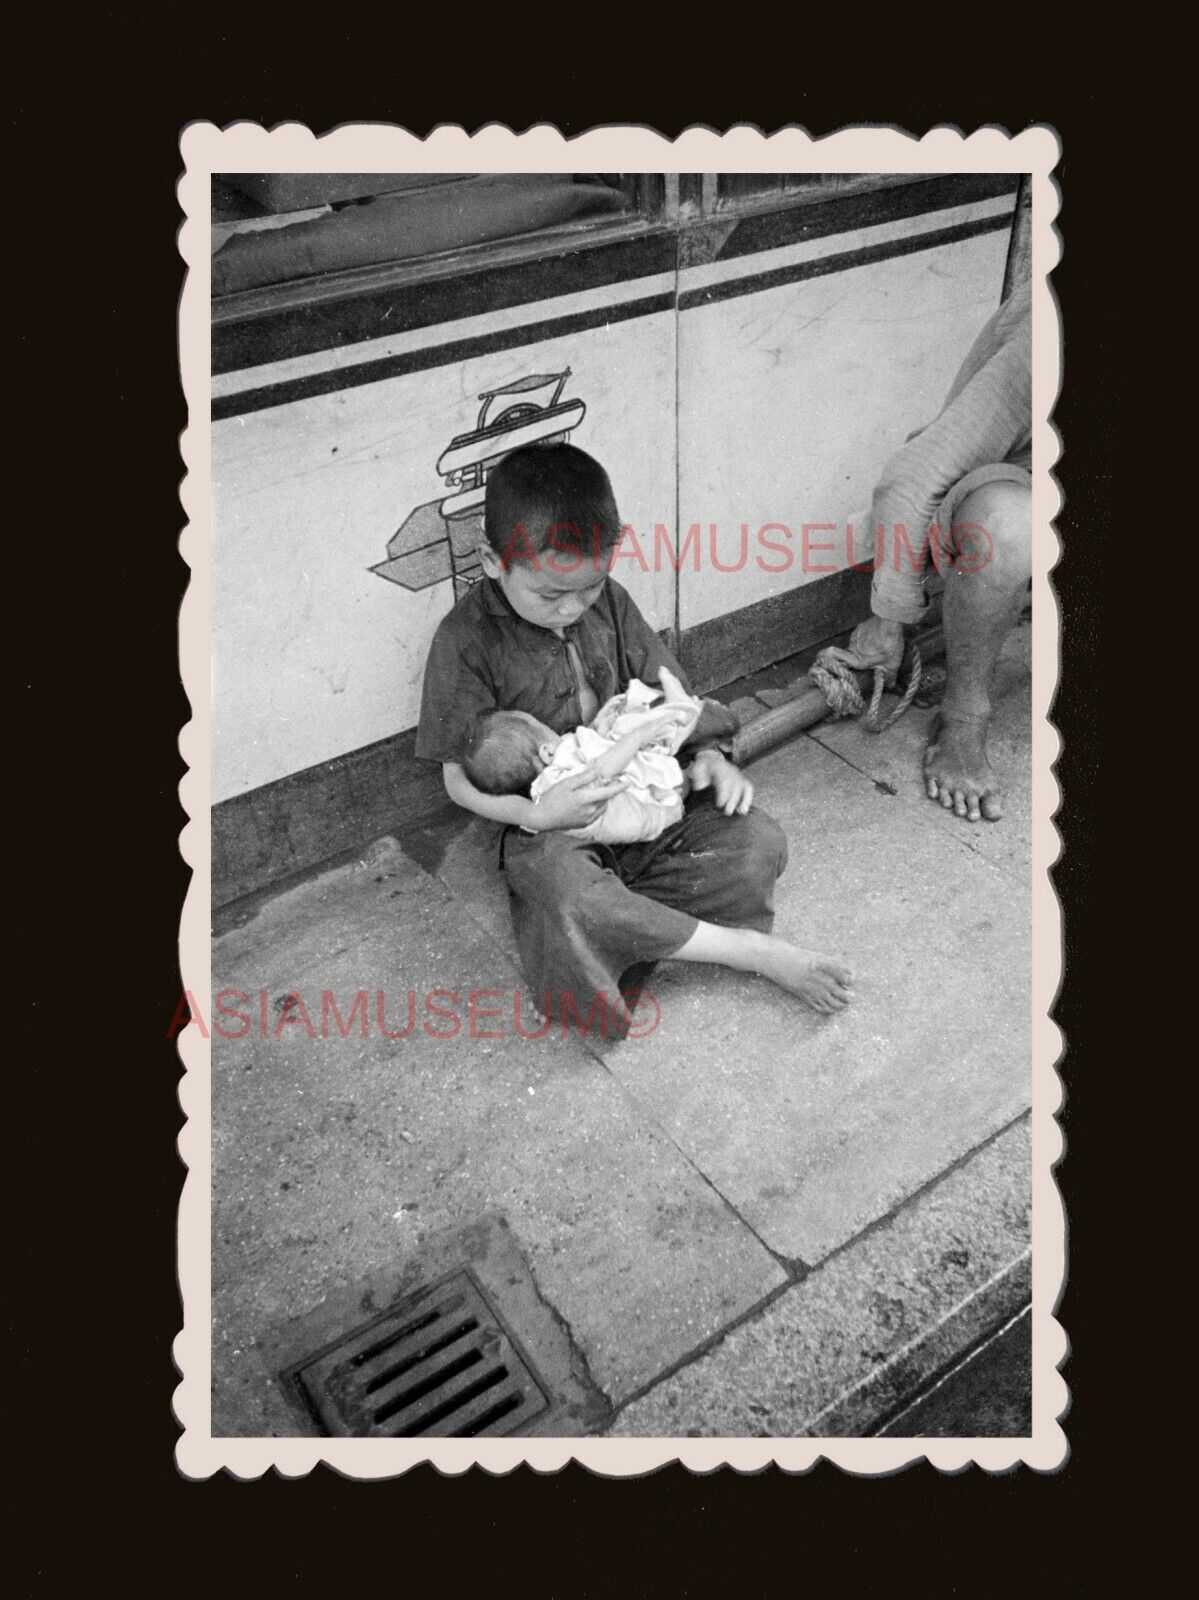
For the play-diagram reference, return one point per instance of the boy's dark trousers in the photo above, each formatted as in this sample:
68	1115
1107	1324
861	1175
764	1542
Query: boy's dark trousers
584	913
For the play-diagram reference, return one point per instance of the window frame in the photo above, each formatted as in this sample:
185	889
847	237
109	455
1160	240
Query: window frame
671	202
657	195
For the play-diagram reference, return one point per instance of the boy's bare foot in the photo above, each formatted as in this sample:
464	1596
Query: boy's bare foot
957	772
819	981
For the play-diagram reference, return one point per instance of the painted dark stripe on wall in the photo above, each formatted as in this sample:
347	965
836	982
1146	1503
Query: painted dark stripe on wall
754	283
337	379
333	323
771	230
440	355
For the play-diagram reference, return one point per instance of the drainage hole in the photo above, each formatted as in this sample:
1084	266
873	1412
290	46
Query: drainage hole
510	1402
467	1325
470	1358
448	1407
394	1335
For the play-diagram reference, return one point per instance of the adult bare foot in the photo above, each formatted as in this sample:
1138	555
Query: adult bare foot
957	772
819	981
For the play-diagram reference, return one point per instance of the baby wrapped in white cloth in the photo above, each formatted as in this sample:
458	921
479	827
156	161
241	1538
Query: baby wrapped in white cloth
652	797
633	739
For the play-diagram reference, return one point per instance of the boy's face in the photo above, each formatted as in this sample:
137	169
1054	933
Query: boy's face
546	592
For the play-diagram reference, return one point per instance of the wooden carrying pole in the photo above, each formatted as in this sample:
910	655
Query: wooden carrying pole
809	707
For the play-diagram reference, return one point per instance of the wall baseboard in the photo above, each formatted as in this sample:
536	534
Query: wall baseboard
284	830
759	635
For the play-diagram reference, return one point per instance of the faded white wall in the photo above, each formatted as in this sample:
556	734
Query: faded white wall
313	653
789	401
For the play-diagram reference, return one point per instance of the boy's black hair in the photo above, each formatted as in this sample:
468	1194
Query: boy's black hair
501	753
550	495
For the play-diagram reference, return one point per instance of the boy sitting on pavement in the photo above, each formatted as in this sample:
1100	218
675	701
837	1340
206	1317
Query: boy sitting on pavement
548	632
510	752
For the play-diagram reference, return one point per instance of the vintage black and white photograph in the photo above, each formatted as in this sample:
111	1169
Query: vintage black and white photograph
624	647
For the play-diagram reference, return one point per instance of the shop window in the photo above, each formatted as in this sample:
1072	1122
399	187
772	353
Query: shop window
283	228
739	188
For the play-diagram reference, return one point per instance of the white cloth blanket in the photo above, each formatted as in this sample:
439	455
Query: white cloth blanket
652	797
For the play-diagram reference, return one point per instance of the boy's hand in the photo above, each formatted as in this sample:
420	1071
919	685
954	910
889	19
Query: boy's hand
731	789
573	803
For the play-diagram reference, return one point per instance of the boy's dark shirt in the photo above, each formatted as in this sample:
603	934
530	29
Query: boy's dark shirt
485	658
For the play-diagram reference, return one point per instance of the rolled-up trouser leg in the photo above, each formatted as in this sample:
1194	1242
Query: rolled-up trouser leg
579	927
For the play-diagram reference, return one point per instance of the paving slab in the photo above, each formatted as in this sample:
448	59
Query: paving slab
337	1157
837	1354
814	1127
487	1254
895	760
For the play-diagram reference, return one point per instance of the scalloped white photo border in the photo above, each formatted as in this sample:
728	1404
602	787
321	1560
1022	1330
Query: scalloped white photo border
292	147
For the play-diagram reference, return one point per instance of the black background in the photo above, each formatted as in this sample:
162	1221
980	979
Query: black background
94	586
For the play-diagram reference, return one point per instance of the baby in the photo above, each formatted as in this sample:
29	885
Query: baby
510	752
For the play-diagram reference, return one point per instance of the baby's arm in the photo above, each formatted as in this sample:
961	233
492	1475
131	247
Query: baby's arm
673	692
573	803
613	761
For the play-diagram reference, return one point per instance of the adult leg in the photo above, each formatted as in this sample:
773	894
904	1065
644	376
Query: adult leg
984	590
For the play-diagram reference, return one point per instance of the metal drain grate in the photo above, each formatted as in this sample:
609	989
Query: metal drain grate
439	1365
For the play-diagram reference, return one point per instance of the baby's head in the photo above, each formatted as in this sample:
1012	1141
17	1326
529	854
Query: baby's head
506	751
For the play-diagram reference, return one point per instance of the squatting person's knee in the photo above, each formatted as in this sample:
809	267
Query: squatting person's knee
1003	511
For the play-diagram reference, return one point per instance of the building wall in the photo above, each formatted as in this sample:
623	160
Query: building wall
314	654
755	369
792	398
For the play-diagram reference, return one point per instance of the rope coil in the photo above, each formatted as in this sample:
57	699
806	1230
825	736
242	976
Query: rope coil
837	683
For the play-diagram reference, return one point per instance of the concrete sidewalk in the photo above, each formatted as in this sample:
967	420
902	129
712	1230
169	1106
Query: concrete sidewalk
751	1221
